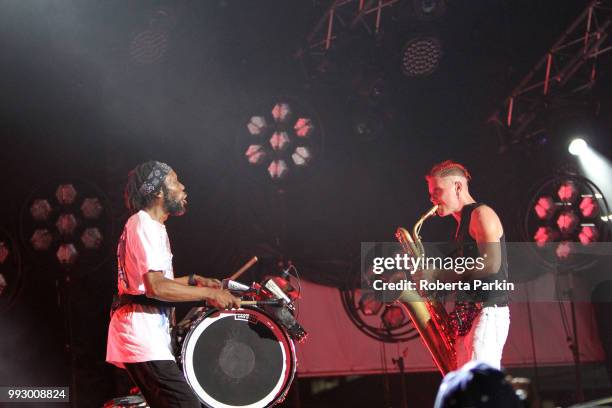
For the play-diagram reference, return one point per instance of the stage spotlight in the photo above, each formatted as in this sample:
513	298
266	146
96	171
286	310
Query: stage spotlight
544	235
91	238
67	254
303	127
257	125
545	208
91	208
281	112
421	56
393	317
578	147
560	227
427	10
282	140
278	169
149	46
279	141
567	192
567	222
255	154
41	239
65	194
40	209
66	224
588	234
564	249
301	156
369	305
588	206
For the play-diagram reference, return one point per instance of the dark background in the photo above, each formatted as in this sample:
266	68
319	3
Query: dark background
76	104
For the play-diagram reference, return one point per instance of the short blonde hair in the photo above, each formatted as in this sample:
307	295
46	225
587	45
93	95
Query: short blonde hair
448	168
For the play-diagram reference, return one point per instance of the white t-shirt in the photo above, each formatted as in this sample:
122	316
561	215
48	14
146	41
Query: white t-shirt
138	333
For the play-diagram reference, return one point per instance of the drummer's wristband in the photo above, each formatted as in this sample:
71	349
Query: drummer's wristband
192	280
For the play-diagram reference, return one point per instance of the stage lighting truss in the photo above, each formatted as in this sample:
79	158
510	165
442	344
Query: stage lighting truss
566	73
342	16
421	56
566	212
11	272
68	221
283	141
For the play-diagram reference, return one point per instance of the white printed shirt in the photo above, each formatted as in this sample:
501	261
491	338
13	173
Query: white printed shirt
138	333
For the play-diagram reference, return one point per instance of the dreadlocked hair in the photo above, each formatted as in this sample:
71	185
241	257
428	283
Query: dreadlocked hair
449	168
134	199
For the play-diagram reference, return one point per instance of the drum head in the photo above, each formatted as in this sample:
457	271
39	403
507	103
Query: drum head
238	358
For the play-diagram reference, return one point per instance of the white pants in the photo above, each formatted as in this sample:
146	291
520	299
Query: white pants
485	340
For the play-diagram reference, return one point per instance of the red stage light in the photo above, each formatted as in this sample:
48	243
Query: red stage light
544	208
303	127
40	209
91	238
279	141
65	194
91	208
281	112
564	249
278	169
544	235
567	192
393	317
589	207
255	154
369	305
67	254
567	222
588	234
66	224
41	239
302	156
257	125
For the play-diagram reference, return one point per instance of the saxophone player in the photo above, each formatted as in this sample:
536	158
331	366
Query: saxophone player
481	318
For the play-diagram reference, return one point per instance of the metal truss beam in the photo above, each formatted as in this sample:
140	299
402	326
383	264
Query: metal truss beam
566	70
343	15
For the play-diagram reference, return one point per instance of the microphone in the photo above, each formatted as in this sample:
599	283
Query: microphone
234	286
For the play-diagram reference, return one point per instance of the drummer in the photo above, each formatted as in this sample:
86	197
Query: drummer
139	329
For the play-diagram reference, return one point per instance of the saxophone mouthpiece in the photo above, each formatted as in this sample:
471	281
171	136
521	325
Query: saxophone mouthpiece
432	211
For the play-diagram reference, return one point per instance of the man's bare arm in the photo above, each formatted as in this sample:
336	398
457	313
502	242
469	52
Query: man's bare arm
486	228
159	287
200	281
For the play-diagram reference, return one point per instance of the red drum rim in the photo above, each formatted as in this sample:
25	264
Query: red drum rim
286	345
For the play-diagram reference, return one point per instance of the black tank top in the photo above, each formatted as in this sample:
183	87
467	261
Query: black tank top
466	246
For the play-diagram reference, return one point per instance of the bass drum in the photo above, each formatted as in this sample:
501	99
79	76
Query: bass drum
238	358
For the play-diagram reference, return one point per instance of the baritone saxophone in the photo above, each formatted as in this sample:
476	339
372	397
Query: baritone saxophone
428	315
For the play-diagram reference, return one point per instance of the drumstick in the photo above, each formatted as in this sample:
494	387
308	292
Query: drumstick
277	302
242	270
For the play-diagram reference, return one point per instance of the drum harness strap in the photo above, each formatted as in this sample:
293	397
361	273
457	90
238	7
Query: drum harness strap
126	299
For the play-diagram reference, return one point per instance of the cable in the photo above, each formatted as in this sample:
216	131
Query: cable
299	284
